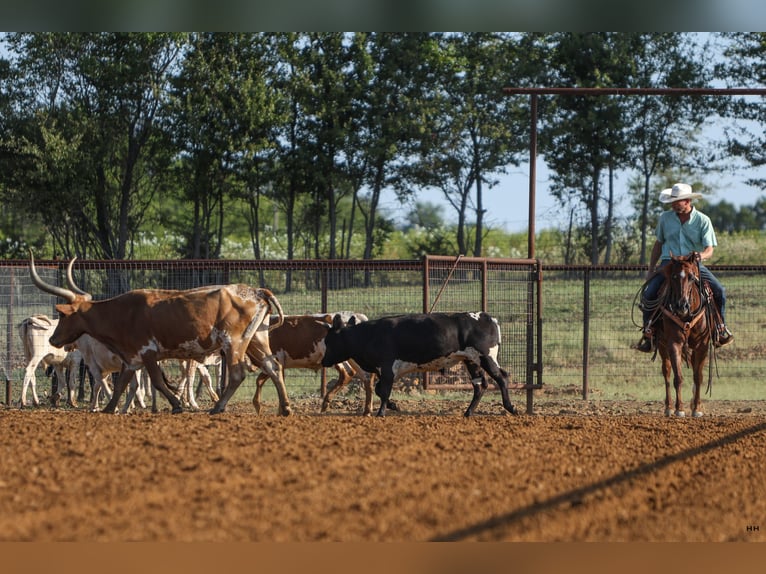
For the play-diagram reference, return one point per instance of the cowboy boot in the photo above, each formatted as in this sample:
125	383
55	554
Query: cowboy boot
646	344
723	336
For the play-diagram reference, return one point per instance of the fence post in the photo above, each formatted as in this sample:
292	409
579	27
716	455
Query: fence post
9	338
585	333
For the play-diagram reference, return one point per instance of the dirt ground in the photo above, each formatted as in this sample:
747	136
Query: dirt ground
573	471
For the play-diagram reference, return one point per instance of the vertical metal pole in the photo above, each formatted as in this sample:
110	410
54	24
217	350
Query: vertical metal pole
426	377
9	338
532	176
531	232
323	307
426	284
585	334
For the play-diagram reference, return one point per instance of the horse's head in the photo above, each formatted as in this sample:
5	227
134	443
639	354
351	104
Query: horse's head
682	278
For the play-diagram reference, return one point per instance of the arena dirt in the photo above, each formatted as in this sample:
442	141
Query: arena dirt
573	471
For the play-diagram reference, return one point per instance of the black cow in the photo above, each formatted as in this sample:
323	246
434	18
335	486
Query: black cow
393	346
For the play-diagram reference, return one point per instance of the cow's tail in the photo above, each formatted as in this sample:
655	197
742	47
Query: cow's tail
24	334
495	349
499	333
276	306
263	314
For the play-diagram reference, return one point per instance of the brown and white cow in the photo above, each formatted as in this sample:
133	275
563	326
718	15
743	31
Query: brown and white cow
299	344
144	326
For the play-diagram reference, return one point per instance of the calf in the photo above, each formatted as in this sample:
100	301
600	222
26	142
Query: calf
299	344
101	363
393	346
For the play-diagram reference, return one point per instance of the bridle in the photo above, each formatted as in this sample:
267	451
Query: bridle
682	294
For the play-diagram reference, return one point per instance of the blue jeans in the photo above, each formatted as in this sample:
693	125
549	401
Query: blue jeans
719	291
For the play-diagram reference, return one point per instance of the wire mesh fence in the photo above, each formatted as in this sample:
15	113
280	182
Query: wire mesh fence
569	328
504	288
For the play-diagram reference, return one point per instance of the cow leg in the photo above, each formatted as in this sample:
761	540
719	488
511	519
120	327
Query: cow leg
61	385
479	382
82	371
236	374
207	380
135	393
502	380
345	374
30	381
119	388
383	388
72	386
274	370
158	382
100	386
55	385
259	382
187	385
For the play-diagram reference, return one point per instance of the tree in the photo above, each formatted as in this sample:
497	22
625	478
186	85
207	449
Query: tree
662	128
590	138
582	136
391	74
223	121
95	155
474	133
744	65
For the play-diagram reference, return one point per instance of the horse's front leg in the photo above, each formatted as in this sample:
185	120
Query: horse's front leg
678	381
699	364
667	372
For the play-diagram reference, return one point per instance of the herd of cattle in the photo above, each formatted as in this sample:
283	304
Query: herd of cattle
243	329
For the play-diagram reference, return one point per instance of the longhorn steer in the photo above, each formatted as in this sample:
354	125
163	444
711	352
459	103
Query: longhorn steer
393	346
144	326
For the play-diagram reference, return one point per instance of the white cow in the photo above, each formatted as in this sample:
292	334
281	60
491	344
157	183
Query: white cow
189	369
34	332
101	363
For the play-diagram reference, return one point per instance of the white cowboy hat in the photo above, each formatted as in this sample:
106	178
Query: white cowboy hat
678	192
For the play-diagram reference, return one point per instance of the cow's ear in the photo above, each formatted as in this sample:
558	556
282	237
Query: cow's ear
337	322
352	320
65	310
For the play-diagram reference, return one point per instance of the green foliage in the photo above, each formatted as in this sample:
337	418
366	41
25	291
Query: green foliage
114	142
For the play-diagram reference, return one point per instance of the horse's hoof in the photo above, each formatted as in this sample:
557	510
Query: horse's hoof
668	412
680	414
697	414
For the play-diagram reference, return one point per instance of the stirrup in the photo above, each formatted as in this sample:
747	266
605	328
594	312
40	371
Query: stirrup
723	337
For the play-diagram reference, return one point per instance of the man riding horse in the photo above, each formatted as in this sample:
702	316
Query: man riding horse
681	230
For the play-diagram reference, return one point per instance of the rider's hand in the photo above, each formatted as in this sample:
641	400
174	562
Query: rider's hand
696	256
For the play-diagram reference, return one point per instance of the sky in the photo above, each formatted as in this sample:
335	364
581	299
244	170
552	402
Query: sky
507	204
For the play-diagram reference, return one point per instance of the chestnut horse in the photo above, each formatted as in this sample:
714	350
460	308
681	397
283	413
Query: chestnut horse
684	331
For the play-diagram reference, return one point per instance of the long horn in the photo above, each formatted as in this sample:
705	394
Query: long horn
43	286
71	283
